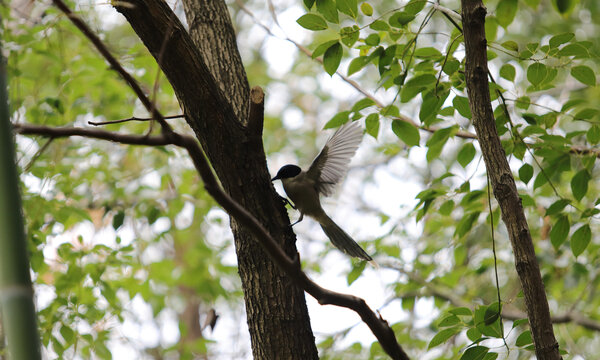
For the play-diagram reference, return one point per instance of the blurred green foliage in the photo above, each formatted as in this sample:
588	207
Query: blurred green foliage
111	226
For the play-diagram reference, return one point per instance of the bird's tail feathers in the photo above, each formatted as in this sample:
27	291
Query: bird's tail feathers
341	240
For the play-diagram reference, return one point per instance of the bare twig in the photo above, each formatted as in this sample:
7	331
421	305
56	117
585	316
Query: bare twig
133	118
61	132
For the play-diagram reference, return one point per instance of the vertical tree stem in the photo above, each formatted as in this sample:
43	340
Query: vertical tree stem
16	291
503	182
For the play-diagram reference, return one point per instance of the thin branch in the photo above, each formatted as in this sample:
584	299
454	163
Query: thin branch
133	118
37	155
114	63
380	327
61	132
451	15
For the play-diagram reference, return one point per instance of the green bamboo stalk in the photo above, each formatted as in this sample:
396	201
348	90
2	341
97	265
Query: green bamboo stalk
16	290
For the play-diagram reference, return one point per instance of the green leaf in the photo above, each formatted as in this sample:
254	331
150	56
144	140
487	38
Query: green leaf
557	207
510	45
442	336
526	173
506	11
356	271
372	124
520	322
584	74
540	180
491	29
415	6
523	102
312	22
372	40
524	339
400	19
579	184
492	313
466	154
446	208
320	50
536	73
491	356
559	231
560	39
349	35
464	311
67	333
564	6
475	353
362	104
437	141
449	320
593	135
328	9
379	25
465	224
430	106
532	3
415	85
332	58
451	66
102	351
428	52
350	7
309	3
508	72
118	220
357	64
408	133
581	239
586	114
473	334
461	104
575	49
337	120
366	8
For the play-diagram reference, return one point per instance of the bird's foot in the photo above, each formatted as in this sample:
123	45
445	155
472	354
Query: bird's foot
297	221
288	202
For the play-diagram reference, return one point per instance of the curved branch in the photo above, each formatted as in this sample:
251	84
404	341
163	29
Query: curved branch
380	327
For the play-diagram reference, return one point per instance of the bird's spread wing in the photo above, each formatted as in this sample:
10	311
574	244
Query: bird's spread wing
331	165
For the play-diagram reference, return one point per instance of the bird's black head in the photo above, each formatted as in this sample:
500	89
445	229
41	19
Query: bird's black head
287	171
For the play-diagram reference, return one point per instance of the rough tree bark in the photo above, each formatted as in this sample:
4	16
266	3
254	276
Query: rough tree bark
503	182
208	78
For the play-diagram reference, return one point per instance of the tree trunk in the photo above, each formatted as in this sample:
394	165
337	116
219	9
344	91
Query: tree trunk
18	317
503	182
206	73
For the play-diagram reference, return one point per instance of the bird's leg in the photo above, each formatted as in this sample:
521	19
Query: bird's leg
286	201
301	217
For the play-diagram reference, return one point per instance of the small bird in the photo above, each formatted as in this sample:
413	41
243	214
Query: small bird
326	170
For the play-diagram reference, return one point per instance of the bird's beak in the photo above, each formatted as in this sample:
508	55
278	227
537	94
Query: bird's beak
275	178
